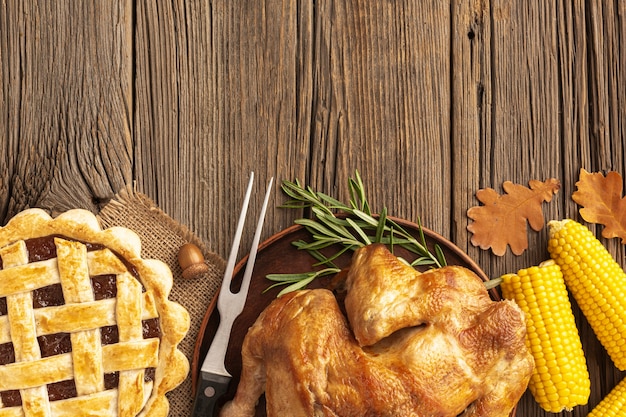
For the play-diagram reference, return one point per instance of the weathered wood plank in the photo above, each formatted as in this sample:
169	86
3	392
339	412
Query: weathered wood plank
382	105
525	130
604	142
471	112
220	87
66	104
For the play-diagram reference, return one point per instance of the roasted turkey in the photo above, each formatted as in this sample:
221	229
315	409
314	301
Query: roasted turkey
413	344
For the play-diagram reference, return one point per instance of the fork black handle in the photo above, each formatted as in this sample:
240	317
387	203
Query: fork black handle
209	390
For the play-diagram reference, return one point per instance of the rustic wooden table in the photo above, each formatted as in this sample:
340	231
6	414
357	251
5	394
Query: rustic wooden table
429	101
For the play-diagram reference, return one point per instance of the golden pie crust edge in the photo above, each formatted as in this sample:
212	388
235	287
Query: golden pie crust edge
156	276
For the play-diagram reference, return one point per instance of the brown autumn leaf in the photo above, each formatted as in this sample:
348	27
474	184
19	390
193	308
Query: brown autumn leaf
602	202
501	220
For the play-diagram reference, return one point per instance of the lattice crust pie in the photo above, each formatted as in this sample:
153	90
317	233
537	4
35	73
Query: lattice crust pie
86	327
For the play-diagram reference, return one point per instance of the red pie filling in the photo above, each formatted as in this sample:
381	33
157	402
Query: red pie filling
104	286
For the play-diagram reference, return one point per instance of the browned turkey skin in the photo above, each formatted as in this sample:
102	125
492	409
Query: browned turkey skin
417	344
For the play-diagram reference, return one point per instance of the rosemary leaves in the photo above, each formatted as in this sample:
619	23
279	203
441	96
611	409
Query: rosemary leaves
347	227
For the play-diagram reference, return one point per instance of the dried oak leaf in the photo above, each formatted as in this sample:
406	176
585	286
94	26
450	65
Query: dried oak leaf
501	221
602	202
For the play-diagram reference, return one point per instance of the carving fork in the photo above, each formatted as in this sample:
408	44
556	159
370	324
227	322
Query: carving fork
214	378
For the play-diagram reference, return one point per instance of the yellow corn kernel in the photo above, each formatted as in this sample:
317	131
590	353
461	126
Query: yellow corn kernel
560	380
597	282
614	404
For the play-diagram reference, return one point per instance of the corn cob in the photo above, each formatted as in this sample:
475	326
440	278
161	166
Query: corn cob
560	380
614	404
597	282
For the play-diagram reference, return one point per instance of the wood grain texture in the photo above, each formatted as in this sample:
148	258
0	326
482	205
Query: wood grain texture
430	101
216	99
66	139
369	52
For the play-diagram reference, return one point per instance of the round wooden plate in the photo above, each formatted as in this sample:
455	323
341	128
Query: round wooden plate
278	255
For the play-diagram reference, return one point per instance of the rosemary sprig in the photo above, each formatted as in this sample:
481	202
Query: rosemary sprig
350	226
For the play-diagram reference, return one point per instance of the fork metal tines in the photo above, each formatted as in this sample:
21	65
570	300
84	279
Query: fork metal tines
230	304
228	299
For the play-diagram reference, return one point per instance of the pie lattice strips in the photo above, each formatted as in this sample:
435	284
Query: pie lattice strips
86	327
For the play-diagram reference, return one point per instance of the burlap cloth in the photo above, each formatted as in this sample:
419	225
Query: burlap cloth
161	238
